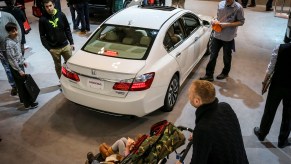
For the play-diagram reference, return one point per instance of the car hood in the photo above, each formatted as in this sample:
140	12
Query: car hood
83	61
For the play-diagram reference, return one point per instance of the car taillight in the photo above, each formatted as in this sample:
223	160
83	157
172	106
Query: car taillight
140	83
69	74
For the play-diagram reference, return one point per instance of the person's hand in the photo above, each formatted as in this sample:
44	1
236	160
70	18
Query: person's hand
25	64
130	143
22	74
72	47
214	21
178	162
191	137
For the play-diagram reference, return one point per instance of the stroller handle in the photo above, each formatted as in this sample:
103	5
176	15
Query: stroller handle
182	128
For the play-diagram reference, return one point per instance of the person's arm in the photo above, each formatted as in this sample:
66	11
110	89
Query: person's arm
129	144
270	70
10	53
240	20
202	143
42	33
68	30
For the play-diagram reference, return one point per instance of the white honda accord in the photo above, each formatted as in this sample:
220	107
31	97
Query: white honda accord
136	61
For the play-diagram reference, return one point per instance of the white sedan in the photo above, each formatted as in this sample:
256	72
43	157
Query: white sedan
136	61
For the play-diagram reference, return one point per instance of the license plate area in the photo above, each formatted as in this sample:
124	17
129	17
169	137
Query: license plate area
95	83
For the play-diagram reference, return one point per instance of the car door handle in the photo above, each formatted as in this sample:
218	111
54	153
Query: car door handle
178	54
196	38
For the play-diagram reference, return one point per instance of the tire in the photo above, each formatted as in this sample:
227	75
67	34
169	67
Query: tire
126	3
209	44
287	39
171	95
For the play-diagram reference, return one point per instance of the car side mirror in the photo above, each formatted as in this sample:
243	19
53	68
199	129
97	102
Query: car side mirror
205	23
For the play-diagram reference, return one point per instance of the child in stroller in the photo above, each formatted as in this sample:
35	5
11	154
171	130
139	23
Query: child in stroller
164	138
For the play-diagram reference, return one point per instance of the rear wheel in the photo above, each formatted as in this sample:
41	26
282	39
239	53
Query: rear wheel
171	95
286	38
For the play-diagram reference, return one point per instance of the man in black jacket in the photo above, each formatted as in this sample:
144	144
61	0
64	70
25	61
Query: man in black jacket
217	136
279	90
55	34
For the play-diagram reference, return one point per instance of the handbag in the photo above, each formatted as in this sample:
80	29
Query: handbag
26	26
36	11
31	87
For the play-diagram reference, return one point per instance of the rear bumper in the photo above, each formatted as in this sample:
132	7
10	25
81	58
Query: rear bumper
135	103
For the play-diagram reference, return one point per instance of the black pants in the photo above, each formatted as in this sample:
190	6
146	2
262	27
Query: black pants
269	4
217	44
275	95
22	92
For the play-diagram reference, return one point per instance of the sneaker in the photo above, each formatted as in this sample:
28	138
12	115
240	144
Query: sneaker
82	33
252	5
13	91
32	106
282	145
221	76
258	134
206	77
269	9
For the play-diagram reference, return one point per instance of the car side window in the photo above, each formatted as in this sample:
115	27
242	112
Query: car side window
191	23
174	36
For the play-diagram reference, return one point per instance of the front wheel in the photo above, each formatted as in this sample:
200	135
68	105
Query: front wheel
126	3
171	95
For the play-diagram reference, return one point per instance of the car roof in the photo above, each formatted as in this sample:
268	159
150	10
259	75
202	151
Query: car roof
152	17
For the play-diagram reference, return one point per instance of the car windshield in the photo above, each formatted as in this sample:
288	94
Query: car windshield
121	42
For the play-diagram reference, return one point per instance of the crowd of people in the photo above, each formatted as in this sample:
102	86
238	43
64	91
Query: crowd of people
211	115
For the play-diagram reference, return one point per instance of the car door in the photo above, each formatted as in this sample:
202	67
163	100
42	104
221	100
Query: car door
176	46
193	31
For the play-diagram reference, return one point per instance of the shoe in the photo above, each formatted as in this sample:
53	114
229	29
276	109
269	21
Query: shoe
269	9
252	5
221	76
258	134
206	77
244	6
82	33
282	145
13	91
32	106
88	30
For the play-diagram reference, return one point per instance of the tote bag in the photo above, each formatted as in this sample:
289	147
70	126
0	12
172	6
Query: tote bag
31	87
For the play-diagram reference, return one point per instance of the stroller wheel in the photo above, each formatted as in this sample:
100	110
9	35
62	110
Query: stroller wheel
163	161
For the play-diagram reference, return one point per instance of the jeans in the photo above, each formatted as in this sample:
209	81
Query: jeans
86	14
8	72
83	14
227	46
75	20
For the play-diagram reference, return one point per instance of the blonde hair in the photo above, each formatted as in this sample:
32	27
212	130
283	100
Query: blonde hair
204	89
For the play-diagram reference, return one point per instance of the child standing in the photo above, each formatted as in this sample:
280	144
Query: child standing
17	64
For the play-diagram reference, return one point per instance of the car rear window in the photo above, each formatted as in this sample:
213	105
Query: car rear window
121	42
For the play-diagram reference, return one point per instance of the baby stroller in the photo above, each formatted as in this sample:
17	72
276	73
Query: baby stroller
164	138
